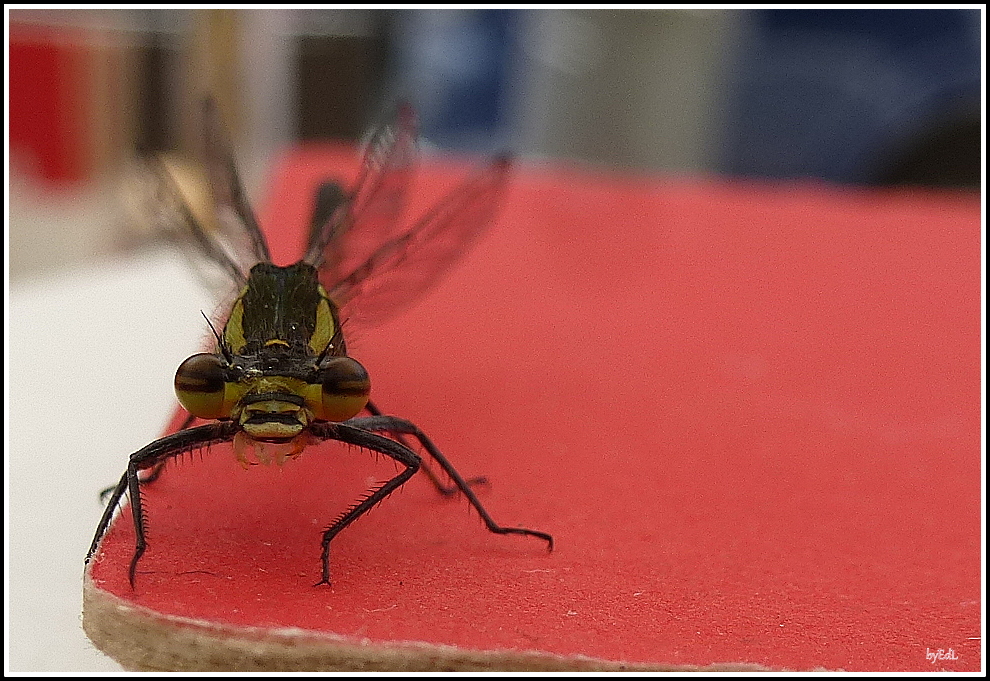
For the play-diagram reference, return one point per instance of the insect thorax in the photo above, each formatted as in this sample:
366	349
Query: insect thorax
282	307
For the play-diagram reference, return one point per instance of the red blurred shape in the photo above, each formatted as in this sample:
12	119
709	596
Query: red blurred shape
47	91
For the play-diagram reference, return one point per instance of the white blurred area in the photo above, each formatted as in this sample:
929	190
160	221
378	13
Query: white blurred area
92	349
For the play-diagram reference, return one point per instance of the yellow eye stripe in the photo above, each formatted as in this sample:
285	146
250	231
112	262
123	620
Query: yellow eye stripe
325	326
233	332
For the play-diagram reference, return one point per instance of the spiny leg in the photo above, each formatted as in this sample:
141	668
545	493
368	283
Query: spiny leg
156	470
118	493
137	513
366	440
147	457
396	426
445	490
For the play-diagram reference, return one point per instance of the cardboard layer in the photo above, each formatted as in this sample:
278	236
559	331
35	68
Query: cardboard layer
149	641
749	415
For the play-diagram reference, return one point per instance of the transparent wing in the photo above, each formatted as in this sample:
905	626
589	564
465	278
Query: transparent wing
407	265
161	201
347	229
239	234
202	209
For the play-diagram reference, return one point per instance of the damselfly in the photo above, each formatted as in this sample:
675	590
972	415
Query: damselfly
280	378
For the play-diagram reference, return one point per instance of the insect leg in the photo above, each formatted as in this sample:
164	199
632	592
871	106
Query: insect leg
148	457
396	426
118	492
374	442
156	470
445	490
137	514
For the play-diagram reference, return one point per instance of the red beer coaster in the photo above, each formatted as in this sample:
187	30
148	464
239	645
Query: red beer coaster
749	415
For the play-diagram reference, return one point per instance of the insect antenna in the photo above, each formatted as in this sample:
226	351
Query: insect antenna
337	337
224	350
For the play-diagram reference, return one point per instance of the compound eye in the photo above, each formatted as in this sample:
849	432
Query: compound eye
199	385
345	388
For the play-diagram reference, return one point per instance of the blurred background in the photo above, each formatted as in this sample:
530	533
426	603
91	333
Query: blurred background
874	97
847	97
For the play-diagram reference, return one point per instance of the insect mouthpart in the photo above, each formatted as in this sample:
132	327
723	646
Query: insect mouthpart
273	429
273	417
267	452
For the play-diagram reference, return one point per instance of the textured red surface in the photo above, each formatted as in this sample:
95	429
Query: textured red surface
749	415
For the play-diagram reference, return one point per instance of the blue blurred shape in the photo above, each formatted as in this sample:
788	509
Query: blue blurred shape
453	65
839	94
